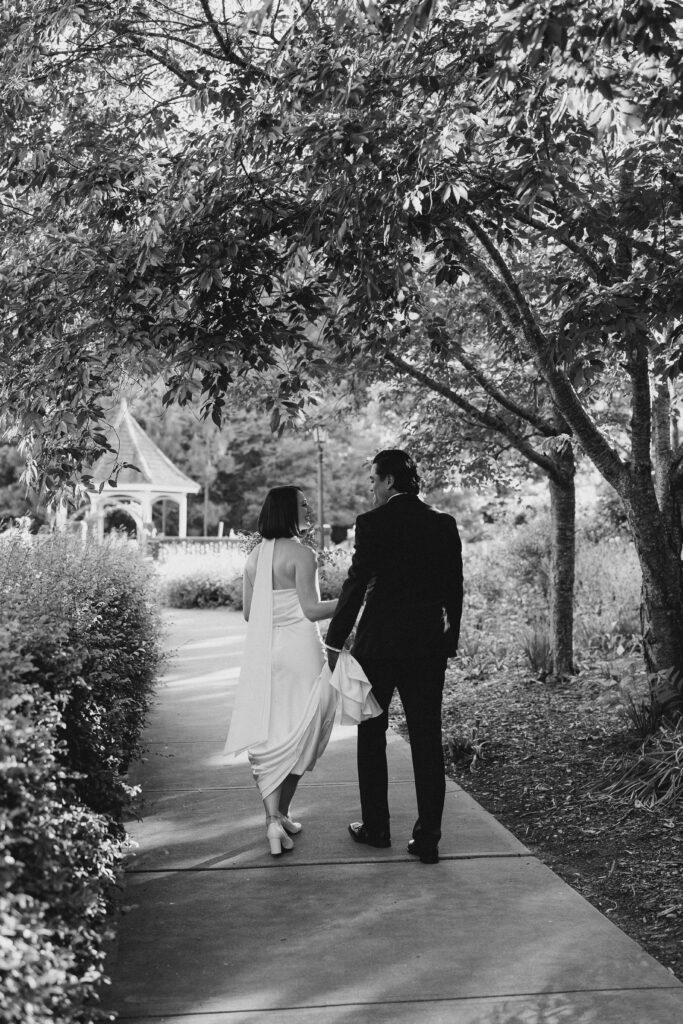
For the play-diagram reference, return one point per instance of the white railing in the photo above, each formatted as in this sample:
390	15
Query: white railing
161	548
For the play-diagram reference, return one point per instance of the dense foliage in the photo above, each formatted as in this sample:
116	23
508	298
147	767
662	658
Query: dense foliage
225	193
78	655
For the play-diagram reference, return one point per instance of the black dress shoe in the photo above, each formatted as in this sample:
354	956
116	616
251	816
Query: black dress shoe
427	854
360	833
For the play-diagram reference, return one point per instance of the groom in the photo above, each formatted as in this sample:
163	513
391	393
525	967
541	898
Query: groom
407	565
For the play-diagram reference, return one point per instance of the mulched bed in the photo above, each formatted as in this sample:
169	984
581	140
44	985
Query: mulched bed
533	754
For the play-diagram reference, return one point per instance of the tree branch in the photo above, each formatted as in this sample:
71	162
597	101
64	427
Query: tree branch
539	225
484	419
170	63
223	41
542	425
515	306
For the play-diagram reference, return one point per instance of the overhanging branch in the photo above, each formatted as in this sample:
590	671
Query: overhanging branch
485	419
515	306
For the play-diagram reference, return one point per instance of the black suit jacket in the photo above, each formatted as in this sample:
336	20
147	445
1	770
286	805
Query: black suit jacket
407	565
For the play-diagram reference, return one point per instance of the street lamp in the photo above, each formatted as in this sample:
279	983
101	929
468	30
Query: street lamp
320	439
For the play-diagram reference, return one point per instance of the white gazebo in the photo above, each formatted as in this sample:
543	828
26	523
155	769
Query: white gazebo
154	478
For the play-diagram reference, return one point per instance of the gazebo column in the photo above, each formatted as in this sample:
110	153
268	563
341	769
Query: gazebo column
145	502
182	515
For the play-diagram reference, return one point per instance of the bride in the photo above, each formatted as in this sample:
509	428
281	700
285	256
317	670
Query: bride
284	709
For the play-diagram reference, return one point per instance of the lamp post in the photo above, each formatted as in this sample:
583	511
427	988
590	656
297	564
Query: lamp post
320	440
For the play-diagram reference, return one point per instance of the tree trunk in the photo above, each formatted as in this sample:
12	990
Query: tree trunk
655	520
562	563
661	609
657	535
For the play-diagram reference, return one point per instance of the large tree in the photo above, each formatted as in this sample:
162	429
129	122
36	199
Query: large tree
329	151
500	403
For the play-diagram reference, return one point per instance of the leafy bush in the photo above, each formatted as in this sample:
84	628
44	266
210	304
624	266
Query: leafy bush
332	570
85	617
78	656
506	602
467	747
528	554
607	519
607	596
195	580
59	870
211	580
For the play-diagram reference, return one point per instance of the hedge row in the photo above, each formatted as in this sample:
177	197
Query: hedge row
213	580
79	654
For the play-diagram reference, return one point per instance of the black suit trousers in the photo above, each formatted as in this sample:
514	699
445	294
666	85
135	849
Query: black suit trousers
420	687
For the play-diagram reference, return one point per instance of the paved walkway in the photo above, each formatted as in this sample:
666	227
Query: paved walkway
216	931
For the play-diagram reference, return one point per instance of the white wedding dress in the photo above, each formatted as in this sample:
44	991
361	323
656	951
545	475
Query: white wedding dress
284	710
287	698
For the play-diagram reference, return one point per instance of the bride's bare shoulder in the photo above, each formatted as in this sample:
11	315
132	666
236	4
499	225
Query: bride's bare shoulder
302	553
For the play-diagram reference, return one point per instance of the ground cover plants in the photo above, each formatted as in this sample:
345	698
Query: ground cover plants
78	657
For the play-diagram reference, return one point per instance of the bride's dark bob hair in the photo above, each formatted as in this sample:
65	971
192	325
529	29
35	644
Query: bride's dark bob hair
279	516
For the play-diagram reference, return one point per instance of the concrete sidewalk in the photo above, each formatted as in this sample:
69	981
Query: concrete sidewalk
216	931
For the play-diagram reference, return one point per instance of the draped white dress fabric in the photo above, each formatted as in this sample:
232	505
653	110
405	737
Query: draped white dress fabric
285	706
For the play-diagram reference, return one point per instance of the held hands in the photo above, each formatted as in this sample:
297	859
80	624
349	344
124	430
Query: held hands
451	643
332	657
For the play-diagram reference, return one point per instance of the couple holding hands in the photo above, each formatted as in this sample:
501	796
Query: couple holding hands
407	570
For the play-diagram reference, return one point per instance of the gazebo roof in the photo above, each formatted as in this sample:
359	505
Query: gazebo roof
155	471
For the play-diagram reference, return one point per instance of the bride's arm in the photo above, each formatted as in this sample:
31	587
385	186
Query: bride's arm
308	588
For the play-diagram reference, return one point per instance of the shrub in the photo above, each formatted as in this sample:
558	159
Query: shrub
528	554
536	646
333	566
78	657
85	617
466	748
194	580
498	607
59	870
212	580
607	596
645	716
506	600
653	776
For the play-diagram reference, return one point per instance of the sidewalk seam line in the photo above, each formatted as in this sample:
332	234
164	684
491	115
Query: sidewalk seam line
329	863
405	1002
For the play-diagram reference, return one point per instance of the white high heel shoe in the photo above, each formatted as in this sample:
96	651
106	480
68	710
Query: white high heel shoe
292	828
278	840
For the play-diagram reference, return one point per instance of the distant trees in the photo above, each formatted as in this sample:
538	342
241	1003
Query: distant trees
247	457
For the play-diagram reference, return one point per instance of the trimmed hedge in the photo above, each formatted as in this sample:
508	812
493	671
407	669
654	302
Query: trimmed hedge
199	580
212	581
79	654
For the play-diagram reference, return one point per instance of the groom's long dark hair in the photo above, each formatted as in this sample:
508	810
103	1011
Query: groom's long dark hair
401	466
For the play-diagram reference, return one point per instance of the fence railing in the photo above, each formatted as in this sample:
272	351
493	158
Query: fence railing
161	547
